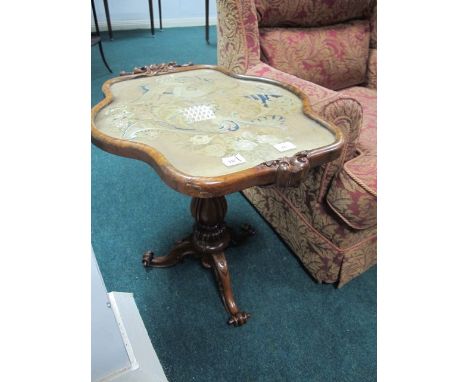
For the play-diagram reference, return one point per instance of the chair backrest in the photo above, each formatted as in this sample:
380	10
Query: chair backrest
323	41
310	13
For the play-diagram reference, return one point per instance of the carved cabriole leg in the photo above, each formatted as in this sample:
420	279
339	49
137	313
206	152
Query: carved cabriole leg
182	249
211	237
223	278
208	241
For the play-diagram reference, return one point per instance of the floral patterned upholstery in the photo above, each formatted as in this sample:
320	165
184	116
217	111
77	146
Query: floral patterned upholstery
334	57
309	13
368	99
353	194
329	221
329	249
238	43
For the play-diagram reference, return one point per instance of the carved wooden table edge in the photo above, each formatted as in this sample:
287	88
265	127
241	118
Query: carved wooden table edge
154	69
211	236
287	171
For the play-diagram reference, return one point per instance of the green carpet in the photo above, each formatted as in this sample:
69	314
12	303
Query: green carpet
299	330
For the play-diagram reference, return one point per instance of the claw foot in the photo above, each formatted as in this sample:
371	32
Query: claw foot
238	319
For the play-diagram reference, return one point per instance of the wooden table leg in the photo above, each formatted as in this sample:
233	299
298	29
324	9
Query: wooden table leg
208	241
211	237
221	271
182	249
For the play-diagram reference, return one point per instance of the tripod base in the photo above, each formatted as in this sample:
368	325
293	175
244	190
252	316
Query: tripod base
207	243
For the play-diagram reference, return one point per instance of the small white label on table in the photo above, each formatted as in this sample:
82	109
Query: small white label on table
234	160
285	146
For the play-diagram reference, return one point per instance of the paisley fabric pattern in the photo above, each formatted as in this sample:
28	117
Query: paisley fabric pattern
238	41
368	99
347	114
353	194
330	249
358	261
310	13
363	170
322	257
313	250
371	81
334	57
321	217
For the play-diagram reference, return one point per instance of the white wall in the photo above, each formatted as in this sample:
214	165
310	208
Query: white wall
134	14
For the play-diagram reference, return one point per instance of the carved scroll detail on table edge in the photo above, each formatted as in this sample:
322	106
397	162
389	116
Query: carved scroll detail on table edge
154	69
290	171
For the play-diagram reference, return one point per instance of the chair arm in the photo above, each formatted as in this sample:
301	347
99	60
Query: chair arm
238	38
346	113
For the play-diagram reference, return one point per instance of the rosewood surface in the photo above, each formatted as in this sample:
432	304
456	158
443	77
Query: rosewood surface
211	237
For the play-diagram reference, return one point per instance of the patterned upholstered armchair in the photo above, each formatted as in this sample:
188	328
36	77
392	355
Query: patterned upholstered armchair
328	49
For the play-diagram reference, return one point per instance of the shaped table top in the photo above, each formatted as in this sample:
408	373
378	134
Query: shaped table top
204	124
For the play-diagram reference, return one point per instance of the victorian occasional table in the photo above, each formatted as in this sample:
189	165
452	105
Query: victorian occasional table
209	133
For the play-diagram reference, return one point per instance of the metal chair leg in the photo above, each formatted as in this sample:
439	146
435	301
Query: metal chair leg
207	21
160	14
103	57
150	3
109	25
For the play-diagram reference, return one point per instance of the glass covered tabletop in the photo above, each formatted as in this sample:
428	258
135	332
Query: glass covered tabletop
207	123
209	133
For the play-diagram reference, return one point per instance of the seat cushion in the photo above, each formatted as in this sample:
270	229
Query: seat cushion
368	100
353	193
334	57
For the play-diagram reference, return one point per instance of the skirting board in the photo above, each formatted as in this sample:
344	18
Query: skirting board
145	24
136	337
